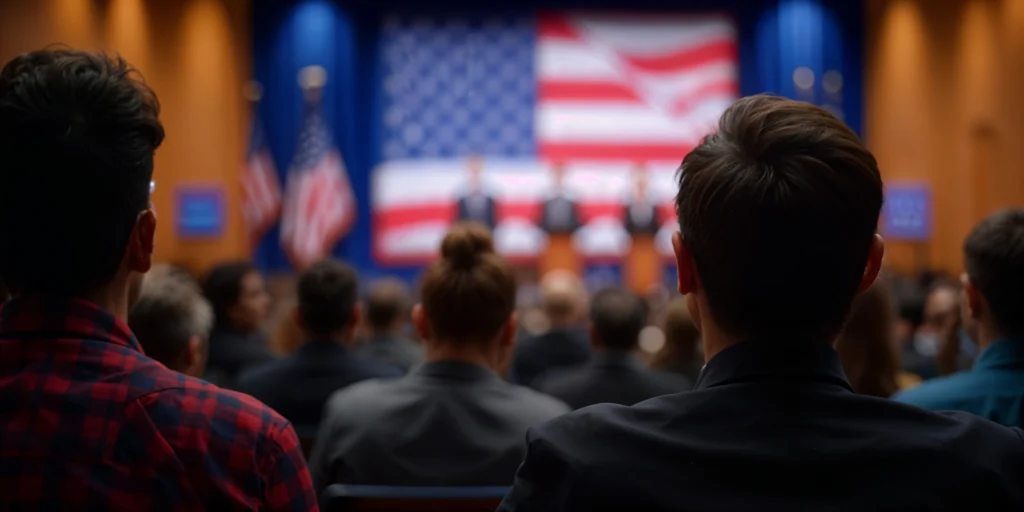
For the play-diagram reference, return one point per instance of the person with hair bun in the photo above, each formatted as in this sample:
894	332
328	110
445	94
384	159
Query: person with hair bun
452	421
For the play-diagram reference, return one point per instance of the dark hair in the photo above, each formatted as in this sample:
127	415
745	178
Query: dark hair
470	292
328	292
994	258
866	344
169	312
617	317
387	301
778	210
77	135
223	287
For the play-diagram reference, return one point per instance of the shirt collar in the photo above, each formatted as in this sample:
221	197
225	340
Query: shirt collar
1003	353
456	370
52	317
771	360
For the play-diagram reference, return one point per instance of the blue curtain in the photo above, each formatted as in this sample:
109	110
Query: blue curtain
776	38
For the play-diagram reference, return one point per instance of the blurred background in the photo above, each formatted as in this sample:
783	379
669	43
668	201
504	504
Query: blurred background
365	128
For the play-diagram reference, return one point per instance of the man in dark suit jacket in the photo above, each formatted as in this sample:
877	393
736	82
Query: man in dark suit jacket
476	204
298	386
777	211
387	313
565	344
641	214
559	213
614	374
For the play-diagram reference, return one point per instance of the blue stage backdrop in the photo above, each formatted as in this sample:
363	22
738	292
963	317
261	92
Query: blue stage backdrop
805	49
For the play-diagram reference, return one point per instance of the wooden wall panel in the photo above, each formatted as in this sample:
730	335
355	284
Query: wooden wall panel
943	107
196	55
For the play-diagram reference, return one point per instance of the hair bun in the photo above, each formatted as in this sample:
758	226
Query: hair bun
465	243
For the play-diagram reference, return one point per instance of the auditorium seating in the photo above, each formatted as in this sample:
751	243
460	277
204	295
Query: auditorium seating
373	498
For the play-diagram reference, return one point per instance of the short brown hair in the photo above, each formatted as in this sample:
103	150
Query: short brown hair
471	291
328	292
778	210
386	302
170	311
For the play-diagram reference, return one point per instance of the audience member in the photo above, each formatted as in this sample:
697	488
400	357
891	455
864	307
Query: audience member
681	352
994	312
867	347
90	422
387	311
298	385
777	211
614	374
241	303
564	344
172	320
452	420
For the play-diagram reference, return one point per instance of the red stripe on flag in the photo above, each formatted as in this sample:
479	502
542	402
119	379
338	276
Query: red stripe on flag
600	151
554	90
707	53
399	217
556	26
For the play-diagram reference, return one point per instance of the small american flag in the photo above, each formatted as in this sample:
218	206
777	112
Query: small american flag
261	191
319	206
596	92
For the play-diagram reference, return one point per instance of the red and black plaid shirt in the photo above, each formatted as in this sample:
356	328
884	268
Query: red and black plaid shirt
89	422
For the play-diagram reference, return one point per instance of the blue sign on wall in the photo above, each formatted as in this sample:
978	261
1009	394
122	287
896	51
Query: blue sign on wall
200	211
907	214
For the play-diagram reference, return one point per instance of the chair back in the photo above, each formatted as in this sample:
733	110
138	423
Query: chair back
381	498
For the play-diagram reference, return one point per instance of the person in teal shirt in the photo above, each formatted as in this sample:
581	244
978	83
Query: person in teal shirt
993	313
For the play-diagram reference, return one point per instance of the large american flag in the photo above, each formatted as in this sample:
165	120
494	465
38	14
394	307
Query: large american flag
598	92
319	206
261	191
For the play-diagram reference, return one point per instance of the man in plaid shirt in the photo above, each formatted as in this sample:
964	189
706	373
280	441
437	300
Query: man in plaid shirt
87	421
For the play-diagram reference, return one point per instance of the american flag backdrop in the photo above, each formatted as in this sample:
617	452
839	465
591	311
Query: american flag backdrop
319	205
596	92
261	191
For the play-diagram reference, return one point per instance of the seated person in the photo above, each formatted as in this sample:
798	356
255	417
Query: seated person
298	386
453	420
564	344
681	352
241	304
994	315
614	374
89	421
777	212
387	314
172	321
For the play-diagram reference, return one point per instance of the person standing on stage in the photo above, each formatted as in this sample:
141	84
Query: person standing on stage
476	203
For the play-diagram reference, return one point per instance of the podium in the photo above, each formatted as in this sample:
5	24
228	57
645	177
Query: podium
560	254
644	266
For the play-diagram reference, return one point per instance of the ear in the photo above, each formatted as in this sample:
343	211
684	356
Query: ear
420	322
592	336
507	336
142	242
298	319
357	318
874	264
684	265
975	303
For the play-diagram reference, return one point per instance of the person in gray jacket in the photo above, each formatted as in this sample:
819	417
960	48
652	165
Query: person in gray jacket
452	421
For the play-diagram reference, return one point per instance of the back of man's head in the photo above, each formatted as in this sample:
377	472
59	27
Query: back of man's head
778	211
171	314
561	297
77	137
616	319
994	258
328	295
387	303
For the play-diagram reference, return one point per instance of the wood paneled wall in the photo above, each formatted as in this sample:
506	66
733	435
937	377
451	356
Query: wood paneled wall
944	105
196	55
